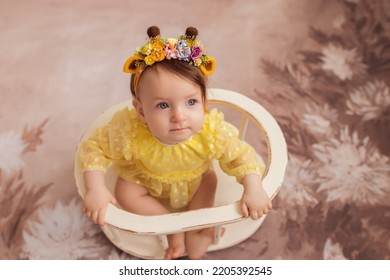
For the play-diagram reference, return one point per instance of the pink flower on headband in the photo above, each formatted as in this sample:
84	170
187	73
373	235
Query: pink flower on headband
196	52
170	51
183	51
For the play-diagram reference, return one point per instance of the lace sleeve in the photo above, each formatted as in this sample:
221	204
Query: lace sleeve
237	158
106	144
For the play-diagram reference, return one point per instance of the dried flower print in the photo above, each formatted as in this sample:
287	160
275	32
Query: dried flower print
299	183
352	170
320	120
11	148
344	63
352	1
333	251
17	203
301	77
371	101
116	254
62	232
33	136
338	22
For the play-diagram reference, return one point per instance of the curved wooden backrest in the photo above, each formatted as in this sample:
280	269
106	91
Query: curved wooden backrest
208	217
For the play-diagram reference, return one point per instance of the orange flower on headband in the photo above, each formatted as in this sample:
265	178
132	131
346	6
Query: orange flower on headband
158	48
158	52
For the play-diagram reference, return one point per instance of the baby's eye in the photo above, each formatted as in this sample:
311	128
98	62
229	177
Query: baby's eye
162	105
191	102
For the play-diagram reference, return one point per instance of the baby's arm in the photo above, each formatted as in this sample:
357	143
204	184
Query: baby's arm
97	196
254	201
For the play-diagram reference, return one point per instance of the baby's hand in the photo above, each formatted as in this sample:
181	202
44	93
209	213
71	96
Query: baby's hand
95	203
254	201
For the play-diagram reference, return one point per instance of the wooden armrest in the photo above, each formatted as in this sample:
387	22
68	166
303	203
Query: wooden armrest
173	222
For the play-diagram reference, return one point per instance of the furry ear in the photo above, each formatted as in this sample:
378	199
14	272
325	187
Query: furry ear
208	67
133	64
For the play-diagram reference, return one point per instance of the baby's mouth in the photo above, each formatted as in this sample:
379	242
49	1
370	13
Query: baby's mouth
178	129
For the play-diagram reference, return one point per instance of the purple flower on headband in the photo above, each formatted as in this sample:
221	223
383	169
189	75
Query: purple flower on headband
196	53
183	51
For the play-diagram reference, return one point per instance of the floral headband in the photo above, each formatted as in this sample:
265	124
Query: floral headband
185	48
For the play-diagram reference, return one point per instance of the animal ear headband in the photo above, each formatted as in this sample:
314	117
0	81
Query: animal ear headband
185	48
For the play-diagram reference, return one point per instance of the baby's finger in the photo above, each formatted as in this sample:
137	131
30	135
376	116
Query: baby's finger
113	200
88	214
269	205
94	217
244	210
254	215
101	216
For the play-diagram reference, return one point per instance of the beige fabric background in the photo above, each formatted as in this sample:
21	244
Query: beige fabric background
320	67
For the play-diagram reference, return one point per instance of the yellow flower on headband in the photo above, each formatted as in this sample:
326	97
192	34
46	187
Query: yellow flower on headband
172	41
149	60
146	49
157	44
197	62
158	52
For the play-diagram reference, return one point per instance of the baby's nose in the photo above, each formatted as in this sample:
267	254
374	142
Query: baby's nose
177	115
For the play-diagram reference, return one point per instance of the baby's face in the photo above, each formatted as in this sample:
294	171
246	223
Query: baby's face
171	106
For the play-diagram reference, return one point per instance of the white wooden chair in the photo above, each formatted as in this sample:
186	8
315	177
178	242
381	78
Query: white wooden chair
145	236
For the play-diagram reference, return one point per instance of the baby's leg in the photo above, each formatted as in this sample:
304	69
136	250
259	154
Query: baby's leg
198	241
135	198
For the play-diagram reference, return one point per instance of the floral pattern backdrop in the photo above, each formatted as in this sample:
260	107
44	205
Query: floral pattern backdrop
337	189
331	98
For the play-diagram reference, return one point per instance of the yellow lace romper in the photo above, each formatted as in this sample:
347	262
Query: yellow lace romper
168	171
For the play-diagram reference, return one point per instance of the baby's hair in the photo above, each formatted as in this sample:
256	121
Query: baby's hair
177	67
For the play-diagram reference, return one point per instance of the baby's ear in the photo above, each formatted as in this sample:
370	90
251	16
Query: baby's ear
138	108
133	64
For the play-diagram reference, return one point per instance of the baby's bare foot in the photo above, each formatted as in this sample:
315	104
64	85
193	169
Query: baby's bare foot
176	246
197	242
